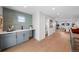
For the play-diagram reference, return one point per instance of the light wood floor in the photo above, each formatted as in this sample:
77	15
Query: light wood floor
57	42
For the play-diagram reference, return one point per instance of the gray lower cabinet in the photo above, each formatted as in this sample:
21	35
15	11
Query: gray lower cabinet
30	33
0	44
19	37
11	39
22	36
25	35
8	40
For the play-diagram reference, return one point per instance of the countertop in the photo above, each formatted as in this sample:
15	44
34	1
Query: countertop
16	31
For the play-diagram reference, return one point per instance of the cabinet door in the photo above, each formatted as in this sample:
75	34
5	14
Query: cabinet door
19	38
8	40
30	33
0	44
26	35
33	33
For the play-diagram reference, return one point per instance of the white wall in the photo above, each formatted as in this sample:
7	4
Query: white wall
41	20
42	26
1	11
50	30
39	25
36	23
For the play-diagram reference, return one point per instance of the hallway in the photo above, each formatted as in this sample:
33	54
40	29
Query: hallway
57	42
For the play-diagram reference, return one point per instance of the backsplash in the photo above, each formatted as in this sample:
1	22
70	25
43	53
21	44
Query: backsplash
12	17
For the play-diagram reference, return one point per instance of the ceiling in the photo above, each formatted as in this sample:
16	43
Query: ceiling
53	11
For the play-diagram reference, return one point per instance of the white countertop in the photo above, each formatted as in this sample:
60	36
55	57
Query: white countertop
16	31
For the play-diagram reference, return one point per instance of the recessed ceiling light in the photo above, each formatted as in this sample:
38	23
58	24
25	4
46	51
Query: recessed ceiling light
53	8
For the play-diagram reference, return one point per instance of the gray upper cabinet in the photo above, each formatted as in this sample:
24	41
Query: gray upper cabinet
8	40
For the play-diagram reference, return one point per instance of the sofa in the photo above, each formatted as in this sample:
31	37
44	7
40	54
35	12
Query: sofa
75	30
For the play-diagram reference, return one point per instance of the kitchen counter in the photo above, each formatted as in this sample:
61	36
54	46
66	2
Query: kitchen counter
15	31
8	39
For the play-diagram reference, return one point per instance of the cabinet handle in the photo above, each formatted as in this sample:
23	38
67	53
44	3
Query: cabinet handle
16	35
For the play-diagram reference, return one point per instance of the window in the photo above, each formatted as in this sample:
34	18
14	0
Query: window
21	19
